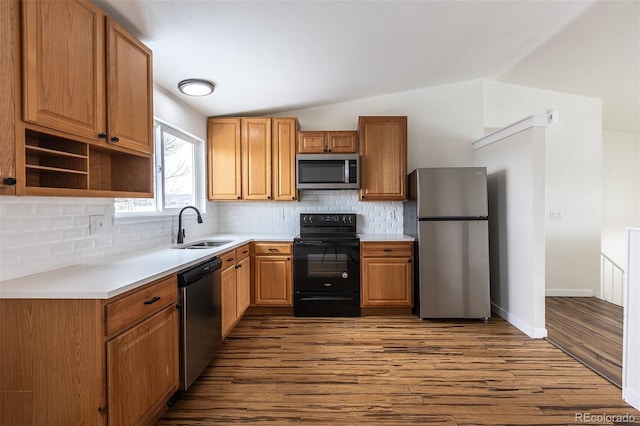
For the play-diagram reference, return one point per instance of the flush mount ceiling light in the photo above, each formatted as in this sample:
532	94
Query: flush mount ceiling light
196	87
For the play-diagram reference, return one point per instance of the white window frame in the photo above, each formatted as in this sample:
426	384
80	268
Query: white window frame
199	165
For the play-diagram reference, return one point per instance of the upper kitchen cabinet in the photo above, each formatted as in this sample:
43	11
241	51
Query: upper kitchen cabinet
283	153
64	66
383	158
224	159
312	142
76	103
256	158
9	60
85	75
129	90
251	158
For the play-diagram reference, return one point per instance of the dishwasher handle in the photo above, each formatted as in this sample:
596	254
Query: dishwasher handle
193	274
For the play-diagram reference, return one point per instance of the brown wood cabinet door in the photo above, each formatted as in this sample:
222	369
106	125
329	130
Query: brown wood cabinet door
142	369
63	66
53	362
273	281
342	142
224	159
284	158
256	158
387	281
383	158
243	286
229	296
312	142
129	90
9	54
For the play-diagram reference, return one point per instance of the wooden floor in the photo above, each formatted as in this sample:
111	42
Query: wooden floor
590	330
392	370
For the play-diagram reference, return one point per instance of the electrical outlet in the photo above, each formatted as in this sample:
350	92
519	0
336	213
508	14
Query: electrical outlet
96	224
391	214
555	215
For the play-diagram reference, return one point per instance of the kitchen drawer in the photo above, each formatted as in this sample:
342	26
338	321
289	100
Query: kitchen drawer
242	252
228	259
386	249
271	248
141	304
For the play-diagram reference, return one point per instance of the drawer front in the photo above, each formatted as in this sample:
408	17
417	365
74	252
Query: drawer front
137	306
228	259
242	252
272	248
388	249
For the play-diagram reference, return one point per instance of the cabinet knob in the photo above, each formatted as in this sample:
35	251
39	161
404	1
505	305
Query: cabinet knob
238	198
102	135
293	198
238	266
115	139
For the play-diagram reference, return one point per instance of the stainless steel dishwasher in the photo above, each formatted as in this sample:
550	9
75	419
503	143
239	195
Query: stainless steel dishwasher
199	300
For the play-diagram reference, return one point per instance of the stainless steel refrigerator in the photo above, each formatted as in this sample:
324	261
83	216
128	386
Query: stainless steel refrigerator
447	214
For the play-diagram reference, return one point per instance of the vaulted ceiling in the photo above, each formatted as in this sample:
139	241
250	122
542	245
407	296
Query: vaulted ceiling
272	56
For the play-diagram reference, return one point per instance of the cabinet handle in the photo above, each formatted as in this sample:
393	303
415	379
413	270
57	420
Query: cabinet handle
387	249
231	259
102	135
115	139
10	181
245	252
273	250
152	301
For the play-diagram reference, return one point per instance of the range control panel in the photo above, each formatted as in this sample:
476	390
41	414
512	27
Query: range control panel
326	221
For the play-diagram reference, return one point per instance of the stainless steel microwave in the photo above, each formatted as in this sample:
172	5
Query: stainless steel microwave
328	171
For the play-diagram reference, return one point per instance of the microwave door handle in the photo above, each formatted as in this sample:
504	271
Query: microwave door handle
346	171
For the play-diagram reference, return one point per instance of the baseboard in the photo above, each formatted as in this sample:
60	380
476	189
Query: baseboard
559	292
525	327
631	397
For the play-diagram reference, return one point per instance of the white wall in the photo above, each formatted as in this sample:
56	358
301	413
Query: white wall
631	338
516	183
620	190
573	180
442	121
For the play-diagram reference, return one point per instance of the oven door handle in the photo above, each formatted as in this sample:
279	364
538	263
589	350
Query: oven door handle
326	243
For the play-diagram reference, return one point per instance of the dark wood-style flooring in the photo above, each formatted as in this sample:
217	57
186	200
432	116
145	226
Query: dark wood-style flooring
590	330
391	370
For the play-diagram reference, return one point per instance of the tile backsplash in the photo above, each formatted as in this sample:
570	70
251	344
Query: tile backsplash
284	218
39	234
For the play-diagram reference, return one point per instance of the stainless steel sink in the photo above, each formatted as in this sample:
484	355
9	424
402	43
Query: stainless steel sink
205	244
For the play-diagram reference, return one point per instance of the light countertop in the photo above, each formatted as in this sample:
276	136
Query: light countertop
114	276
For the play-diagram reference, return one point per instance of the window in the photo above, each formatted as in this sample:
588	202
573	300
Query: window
179	177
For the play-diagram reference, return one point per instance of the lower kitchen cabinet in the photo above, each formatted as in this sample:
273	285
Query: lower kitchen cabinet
236	286
142	367
386	274
89	361
272	274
